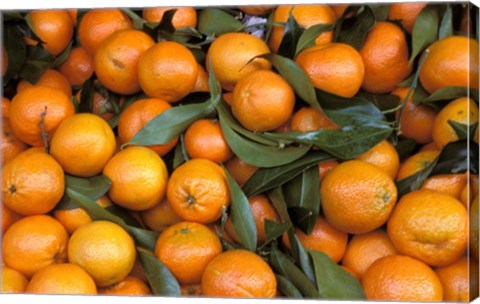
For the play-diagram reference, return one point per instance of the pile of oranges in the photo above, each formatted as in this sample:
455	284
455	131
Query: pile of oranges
295	151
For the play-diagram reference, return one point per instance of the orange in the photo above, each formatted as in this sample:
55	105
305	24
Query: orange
429	147
4	62
239	273
5	107
326	166
98	24
73	14
130	286
198	191
33	182
473	219
83	144
183	17
256	10
364	249
466	196
104	250
451	184
116	60
336	68
416	163
137	115
429	226
452	61
186	248
357	197
240	170
262	101
8	217
350	272
12	281
306	16
35	107
462	110
262	210
139	178
229	55
310	119
406	12
339	9
383	155
401	278
324	238
68	279
51	78
455	281
228	97
201	83
191	290
181	66
385	54
204	139
54	27
78	67
161	216
11	146
34	242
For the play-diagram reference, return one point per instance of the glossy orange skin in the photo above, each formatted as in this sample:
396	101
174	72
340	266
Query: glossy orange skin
310	119
239	273
406	12
11	146
51	78
455	279
183	17
383	155
256	10
336	68
186	248
130	286
262	101
240	170
430	226
401	278
160	217
451	184
325	167
473	224
416	162
5	107
201	84
12	281
33	243
137	115
8	217
78	67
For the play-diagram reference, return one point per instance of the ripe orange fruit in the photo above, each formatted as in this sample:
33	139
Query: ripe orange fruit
191	290
256	10
383	155
401	278
5	107
33	182
51	78
429	226
197	191
11	146
451	184
473	219
364	249
83	144
336	68
204	139
429	147
8	217
116	60
160	217
138	176
229	55
181	66
12	281
201	83
239	273
306	16
462	110
54	27
130	286
78	67
34	242
385	54
416	163
455	281
68	279
98	24
240	170
353	274
262	210
73	14
186	248
406	12
36	106
324	238
416	121
357	197
262	101
104	250
325	167
183	17
452	61
310	119
137	115
339	9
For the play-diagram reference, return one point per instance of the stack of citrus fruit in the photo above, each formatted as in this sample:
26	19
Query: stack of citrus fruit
324	152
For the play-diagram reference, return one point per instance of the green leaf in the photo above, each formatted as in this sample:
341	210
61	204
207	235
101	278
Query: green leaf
307	38
63	56
419	94
278	202
161	280
241	214
382	101
463	131
125	215
414	181
86	97
339	23
214	21
301	255
405	148
180	154
274	230
457	157
37	62
143	237
381	11
138	22
93	187
407	82
333	282
450	93
302	194
291	34
265	179
16	51
355	35
425	30
287	288
446	25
